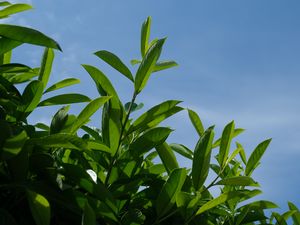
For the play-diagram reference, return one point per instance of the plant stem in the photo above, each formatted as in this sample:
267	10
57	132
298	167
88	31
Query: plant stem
114	158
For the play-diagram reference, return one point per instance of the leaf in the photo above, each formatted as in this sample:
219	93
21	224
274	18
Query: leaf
167	157
13	145
64	99
134	107
201	159
259	205
149	140
31	96
236	132
23	77
62	84
88	111
217	201
135	61
14	68
296	215
226	138
255	157
97	146
145	34
4	3
40	208
46	66
27	35
42	126
59	120
163	65
238	181
155	115
115	62
7	45
88	216
12	9
242	152
182	150
147	65
167	197
196	121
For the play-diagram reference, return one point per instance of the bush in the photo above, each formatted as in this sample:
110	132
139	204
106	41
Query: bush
125	172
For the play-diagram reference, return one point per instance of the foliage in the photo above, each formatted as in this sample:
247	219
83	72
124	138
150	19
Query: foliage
111	175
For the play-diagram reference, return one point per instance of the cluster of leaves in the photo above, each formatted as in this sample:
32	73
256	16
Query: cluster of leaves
111	175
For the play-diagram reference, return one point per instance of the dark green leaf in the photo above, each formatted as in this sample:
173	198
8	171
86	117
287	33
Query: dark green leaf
64	99
182	150
255	157
134	107
59	120
27	35
6	218
226	138
196	121
147	65
40	208
201	159
167	157
62	84
12	146
167	197
42	126
163	65
145	34
115	62
88	216
149	140
4	3
14	68
7	45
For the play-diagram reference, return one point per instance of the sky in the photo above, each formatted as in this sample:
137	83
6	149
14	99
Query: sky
238	60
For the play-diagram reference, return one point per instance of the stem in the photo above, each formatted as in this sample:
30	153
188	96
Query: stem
114	158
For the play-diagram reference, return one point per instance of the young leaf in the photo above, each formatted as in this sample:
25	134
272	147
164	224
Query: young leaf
88	216
255	157
196	121
62	84
167	197
46	66
242	152
182	150
12	9
238	181
163	65
115	62
64	99
88	111
145	34
27	35
40	208
201	158
147	65
225	143
149	140
59	120
167	157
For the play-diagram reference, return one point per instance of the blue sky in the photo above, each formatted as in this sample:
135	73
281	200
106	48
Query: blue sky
239	60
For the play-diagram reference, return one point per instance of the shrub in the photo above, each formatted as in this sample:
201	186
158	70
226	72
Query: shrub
125	172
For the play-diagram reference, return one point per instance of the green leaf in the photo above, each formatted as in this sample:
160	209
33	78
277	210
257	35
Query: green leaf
134	106
167	197
27	35
97	146
7	45
135	61
12	9
196	121
88	216
201	158
167	157
46	66
163	65
64	99
88	111
226	138
62	84
31	96
4	3
23	77
40	208
155	115
12	146
242	152
149	140
147	65
238	181
236	132
217	201
59	120
259	205
296	215
145	34
14	68
42	126
182	150
255	157
115	62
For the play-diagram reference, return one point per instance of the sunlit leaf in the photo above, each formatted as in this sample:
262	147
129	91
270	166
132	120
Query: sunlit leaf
238	181
12	9
64	99
163	65
62	84
167	157
46	66
145	34
196	121
182	150
227	135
